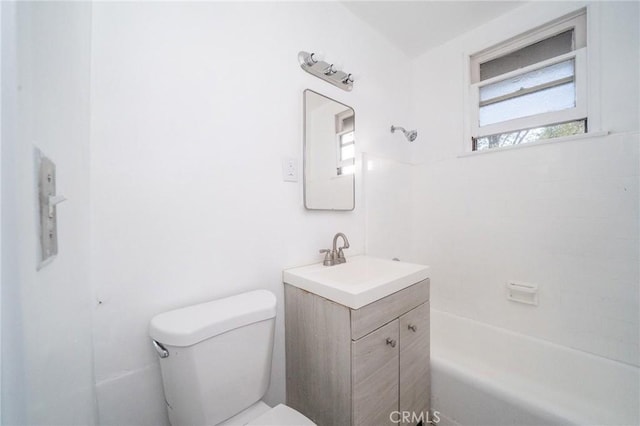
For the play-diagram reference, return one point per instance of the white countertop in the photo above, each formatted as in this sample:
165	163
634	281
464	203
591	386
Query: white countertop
358	282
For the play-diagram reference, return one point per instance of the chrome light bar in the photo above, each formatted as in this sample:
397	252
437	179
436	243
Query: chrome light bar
324	70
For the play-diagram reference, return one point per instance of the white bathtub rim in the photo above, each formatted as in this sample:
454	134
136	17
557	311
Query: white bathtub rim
584	406
507	394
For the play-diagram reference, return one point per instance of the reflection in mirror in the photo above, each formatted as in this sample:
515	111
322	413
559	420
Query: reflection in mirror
329	153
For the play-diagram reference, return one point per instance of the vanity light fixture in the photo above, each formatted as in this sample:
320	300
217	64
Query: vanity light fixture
324	70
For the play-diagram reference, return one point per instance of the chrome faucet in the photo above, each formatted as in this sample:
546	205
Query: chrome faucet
339	255
335	256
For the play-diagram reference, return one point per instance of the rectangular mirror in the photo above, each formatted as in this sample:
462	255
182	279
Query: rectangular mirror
329	153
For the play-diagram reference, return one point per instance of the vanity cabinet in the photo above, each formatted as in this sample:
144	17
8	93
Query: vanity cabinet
375	376
358	366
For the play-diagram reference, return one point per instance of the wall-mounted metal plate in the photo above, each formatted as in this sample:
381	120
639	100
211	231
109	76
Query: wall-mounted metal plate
47	199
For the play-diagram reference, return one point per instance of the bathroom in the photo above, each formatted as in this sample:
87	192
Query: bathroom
169	123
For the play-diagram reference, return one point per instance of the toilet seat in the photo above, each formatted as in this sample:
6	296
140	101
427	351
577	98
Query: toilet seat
281	415
260	414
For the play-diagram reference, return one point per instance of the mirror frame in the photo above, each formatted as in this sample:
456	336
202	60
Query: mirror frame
304	153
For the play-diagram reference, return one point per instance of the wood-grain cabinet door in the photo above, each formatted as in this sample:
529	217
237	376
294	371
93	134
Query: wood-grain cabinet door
414	363
375	363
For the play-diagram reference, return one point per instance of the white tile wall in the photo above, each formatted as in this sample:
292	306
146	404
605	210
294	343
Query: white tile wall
506	216
563	216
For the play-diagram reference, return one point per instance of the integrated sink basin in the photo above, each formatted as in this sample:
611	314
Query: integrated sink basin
358	282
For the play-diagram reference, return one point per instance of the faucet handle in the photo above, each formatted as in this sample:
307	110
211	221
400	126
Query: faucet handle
328	258
341	258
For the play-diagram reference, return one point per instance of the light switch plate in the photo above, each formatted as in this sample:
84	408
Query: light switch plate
289	169
47	199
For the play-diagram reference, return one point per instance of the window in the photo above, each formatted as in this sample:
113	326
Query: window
532	87
345	136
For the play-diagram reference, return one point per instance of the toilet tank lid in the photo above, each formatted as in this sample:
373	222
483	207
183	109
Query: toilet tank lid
193	324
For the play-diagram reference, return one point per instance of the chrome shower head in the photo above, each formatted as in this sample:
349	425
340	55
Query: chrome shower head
411	135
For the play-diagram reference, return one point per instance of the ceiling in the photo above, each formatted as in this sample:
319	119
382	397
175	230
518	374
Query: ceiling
417	26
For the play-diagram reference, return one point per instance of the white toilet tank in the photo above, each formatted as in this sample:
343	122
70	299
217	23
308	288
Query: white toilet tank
219	356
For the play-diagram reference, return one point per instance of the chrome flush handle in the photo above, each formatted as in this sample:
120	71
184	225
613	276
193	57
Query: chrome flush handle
162	351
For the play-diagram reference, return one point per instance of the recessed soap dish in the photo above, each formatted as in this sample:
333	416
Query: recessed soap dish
521	292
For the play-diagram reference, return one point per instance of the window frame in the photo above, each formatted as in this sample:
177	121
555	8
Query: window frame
577	20
344	163
341	163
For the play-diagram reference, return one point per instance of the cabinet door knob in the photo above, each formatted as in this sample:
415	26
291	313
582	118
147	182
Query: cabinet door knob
413	327
391	342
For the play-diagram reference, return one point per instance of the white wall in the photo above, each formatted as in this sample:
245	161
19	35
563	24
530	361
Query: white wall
12	381
389	199
46	322
1	62
563	215
193	107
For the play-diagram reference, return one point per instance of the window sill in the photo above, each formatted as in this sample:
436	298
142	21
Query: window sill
589	135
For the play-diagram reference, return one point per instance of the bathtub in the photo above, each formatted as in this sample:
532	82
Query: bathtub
483	375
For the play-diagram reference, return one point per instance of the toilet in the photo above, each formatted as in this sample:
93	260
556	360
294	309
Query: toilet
215	359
